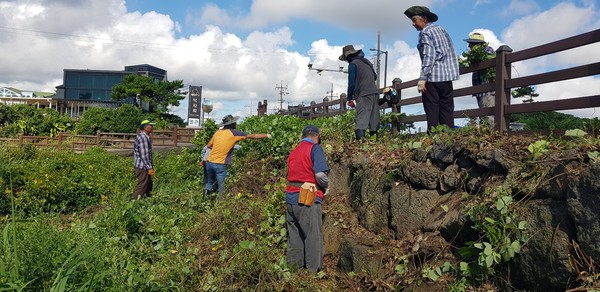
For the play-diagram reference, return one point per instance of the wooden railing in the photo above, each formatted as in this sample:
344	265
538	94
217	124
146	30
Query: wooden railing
503	85
173	138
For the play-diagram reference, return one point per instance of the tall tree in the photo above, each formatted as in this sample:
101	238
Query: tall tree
159	94
526	92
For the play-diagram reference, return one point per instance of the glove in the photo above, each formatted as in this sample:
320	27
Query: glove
386	90
269	136
151	171
351	103
421	86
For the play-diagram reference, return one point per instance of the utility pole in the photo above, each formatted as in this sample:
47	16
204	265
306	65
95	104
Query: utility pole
282	90
331	92
378	59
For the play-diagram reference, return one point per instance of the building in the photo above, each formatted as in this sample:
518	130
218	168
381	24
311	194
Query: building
84	88
10	96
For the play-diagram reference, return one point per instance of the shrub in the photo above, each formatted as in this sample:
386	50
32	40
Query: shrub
53	181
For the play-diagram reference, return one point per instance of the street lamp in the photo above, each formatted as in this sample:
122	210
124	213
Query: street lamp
385	69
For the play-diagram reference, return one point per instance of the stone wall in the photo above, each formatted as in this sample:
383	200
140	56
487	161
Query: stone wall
560	202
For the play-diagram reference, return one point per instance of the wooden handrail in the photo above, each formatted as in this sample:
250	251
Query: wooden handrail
502	86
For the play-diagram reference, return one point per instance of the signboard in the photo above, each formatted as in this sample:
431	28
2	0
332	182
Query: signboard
194	122
195	99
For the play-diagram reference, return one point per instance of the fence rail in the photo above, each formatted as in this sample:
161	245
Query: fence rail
174	138
503	85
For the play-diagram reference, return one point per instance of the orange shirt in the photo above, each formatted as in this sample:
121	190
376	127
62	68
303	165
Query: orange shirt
222	143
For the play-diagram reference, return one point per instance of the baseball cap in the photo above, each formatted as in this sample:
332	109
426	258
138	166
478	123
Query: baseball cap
147	122
310	128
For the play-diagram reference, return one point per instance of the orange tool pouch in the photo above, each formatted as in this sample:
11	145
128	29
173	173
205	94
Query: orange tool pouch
308	193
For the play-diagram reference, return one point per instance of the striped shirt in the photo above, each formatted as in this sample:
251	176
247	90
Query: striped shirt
438	58
142	151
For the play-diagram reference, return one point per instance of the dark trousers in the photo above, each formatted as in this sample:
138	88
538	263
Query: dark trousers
305	236
438	102
144	184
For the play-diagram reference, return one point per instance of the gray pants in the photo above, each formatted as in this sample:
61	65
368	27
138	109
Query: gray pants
367	112
305	236
487	101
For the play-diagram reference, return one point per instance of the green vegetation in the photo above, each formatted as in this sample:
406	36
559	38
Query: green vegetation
476	55
554	121
68	224
31	121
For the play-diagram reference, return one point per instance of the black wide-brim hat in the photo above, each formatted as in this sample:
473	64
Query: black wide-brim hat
421	10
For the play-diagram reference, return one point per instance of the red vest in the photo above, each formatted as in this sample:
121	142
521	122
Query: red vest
300	167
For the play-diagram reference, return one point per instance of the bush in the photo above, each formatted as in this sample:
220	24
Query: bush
53	181
31	121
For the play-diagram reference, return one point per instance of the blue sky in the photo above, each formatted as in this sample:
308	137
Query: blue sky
240	50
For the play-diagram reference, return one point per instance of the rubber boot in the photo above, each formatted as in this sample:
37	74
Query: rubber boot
359	134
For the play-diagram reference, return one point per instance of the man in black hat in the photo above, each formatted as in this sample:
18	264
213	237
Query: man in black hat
363	89
221	145
439	67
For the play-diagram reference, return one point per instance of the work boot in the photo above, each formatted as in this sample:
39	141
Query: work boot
359	134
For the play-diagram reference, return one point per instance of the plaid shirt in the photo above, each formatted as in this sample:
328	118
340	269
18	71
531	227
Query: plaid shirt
142	151
438	58
476	77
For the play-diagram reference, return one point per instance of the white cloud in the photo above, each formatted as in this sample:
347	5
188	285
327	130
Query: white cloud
375	15
561	21
236	70
521	7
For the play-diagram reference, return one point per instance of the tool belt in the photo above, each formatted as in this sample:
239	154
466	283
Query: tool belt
308	192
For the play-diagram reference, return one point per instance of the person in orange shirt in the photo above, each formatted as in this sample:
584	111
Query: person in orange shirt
221	145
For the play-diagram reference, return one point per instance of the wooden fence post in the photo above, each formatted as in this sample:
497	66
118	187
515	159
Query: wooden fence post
21	139
502	94
60	139
175	136
396	107
98	138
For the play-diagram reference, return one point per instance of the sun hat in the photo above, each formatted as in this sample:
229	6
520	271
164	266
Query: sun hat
475	38
347	51
421	10
310	128
147	122
228	120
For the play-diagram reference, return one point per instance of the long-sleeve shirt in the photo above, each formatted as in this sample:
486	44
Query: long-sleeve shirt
142	151
438	59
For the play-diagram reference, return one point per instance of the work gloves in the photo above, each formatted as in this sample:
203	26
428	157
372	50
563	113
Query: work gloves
351	103
151	171
421	86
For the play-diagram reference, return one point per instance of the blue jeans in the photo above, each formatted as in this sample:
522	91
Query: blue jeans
216	172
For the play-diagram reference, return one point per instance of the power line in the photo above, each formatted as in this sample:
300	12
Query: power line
58	35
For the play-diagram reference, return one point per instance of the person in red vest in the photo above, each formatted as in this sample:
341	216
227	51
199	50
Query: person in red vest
307	169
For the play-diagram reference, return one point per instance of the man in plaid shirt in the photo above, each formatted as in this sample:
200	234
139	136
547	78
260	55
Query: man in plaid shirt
439	67
142	161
